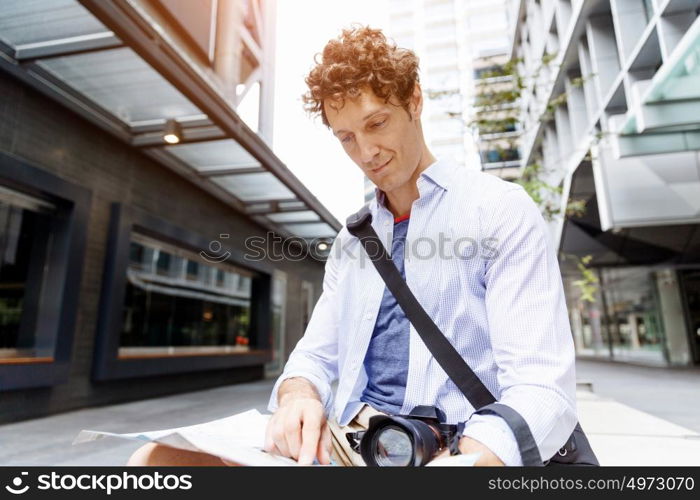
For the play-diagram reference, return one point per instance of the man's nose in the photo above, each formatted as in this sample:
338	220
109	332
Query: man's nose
368	150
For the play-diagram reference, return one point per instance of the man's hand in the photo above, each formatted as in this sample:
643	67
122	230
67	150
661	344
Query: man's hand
468	445
298	429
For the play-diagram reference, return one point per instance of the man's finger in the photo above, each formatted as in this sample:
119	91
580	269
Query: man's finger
279	440
292	437
269	441
324	445
310	436
276	451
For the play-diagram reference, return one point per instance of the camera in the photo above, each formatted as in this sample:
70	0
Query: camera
404	440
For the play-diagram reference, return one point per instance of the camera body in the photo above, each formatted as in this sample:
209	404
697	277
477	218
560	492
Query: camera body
404	440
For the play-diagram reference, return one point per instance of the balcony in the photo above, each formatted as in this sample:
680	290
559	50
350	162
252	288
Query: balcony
499	158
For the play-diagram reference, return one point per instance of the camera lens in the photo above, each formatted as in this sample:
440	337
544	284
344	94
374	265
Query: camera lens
398	441
393	447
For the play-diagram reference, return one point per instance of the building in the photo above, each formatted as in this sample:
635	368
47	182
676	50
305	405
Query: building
495	115
611	113
448	36
143	215
368	189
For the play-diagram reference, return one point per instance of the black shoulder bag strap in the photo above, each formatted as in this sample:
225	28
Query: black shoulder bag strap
360	225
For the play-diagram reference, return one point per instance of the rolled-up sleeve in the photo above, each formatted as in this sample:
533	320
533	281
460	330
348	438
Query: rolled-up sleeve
529	329
315	357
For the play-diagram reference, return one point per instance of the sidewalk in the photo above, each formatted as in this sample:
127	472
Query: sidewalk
619	434
622	435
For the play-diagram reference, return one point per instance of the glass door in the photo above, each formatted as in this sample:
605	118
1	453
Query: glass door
690	283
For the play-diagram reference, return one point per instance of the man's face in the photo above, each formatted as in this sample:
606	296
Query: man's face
379	137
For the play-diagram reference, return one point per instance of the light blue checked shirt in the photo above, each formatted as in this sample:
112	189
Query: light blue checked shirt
478	259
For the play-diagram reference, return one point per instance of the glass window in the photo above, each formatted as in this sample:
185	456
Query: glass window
222	153
499	155
306	216
441	55
220	278
123	83
443	32
491	71
648	9
163	263
183	304
307	303
320	230
440	10
691	296
588	322
255	187
37	21
25	242
279	314
624	322
633	313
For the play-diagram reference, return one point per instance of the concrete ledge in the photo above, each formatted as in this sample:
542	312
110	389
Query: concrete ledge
621	435
584	385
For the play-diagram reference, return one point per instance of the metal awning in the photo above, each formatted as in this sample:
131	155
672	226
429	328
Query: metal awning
665	116
112	64
643	245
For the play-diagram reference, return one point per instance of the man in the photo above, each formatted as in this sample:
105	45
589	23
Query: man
506	315
474	251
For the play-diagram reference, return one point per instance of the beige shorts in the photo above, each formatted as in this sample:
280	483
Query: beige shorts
341	453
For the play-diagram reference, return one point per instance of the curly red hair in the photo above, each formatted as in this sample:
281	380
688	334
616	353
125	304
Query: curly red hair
360	57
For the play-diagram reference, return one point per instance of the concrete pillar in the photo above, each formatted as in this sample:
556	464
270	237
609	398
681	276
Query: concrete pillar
673	317
227	52
577	327
597	338
634	331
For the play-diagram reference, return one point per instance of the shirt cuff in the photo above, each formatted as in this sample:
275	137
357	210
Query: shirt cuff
494	433
323	389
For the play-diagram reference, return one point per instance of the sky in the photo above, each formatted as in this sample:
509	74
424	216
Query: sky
304	144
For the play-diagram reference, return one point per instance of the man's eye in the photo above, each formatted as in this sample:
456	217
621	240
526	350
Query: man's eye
378	124
346	139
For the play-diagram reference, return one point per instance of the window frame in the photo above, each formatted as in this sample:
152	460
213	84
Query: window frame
107	365
57	305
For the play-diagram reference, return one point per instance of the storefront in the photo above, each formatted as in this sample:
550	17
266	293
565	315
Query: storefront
638	316
129	187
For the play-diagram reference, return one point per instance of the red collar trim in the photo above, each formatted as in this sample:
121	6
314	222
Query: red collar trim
401	218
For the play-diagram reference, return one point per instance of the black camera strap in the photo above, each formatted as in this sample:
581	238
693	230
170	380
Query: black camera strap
360	225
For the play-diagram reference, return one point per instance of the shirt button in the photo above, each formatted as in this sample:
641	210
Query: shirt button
386	223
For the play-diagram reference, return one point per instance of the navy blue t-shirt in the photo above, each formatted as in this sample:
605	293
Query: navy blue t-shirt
386	362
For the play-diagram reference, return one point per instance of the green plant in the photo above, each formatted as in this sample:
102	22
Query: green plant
552	105
576	208
588	284
533	184
548	58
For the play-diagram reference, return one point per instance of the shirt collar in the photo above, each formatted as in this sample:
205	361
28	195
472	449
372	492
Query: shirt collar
439	172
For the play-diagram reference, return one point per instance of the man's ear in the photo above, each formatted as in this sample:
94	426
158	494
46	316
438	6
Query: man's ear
416	103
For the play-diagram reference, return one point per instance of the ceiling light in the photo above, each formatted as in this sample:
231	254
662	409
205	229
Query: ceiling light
172	132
